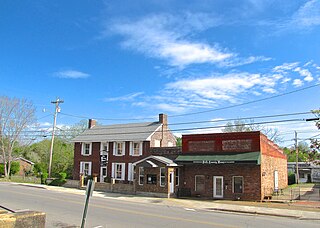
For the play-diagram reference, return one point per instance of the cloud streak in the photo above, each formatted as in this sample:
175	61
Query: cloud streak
71	74
172	39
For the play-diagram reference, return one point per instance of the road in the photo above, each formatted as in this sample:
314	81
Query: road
65	210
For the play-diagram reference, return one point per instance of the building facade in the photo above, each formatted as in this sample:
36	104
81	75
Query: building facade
108	152
240	165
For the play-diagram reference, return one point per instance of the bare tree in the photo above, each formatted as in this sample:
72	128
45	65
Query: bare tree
16	115
242	125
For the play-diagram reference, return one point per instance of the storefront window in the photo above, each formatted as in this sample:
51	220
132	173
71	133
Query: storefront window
141	175
152	179
162	176
237	184
199	183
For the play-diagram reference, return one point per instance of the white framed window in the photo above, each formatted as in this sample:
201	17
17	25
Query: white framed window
141	175
135	148
118	171
177	176
85	168
156	143
130	172
119	148
86	149
104	148
162	177
237	184
199	185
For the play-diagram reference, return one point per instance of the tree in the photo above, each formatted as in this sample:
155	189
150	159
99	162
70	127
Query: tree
241	125
16	115
315	143
179	141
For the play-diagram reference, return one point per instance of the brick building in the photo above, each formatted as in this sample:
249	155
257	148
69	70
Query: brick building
109	152
240	165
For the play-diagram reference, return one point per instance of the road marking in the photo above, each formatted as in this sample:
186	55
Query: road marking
130	211
189	209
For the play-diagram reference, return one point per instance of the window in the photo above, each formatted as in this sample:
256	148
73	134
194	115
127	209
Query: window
199	183
156	143
162	177
119	148
86	149
152	179
237	183
118	171
135	148
141	175
104	148
177	177
85	168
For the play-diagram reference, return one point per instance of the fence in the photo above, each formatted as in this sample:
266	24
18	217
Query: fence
299	192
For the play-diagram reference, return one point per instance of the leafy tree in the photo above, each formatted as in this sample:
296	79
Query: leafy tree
303	155
242	125
15	167
16	115
179	141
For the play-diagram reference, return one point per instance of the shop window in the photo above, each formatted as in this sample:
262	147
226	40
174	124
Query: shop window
199	183
152	179
237	184
162	177
141	175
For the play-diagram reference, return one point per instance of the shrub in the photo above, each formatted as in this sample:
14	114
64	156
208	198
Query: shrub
44	177
58	182
62	176
15	167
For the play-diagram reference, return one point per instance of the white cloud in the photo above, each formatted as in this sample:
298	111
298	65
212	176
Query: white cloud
308	15
72	74
127	97
170	38
297	83
304	73
285	67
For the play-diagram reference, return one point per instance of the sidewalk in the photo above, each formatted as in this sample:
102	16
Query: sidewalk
300	209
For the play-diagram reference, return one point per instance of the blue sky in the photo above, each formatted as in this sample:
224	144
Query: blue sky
136	59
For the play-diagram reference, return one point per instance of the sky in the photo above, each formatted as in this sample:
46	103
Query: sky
127	61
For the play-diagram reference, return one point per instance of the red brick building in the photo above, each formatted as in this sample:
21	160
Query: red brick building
109	152
240	165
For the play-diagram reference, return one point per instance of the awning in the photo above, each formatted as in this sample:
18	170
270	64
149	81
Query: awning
247	157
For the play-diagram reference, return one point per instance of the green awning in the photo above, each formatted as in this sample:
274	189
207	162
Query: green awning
247	157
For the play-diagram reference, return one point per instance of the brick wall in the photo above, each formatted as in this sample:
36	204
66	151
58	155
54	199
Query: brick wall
222	142
94	158
250	173
272	159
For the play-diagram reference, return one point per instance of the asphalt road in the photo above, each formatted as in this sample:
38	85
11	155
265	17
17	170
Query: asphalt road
66	209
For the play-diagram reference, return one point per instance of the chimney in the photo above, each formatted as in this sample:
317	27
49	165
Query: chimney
163	118
91	123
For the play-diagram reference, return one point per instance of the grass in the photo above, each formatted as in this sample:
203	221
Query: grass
20	179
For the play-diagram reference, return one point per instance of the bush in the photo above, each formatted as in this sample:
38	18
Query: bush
62	176
291	178
58	182
44	177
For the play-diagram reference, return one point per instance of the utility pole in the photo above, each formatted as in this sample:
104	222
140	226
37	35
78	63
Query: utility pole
57	109
297	156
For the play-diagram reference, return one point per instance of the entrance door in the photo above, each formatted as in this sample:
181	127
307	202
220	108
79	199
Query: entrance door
103	173
218	186
171	182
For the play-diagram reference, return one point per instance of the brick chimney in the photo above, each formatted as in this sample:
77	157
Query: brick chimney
163	118
91	123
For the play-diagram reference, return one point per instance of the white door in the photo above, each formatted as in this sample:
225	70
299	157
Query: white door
171	182
103	173
218	186
276	180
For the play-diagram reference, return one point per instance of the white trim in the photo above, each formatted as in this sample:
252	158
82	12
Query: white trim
149	138
101	173
82	166
115	148
102	144
130	172
114	170
131	151
83	148
215	186
164	182
171	181
152	164
141	168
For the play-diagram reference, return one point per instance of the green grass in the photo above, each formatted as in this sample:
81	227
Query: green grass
19	179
